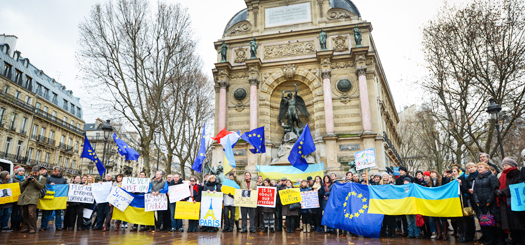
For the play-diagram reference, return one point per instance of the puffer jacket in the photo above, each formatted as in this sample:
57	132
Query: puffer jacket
31	192
485	185
212	186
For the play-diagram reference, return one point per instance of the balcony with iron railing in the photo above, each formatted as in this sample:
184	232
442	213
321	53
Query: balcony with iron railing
34	136
15	101
12	128
45	140
62	123
17	158
22	131
62	146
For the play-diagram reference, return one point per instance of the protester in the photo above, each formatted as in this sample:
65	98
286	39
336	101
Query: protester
279	206
212	186
103	209
484	157
5	209
229	209
107	222
510	220
403	173
29	199
289	213
176	224
195	196
484	195
259	218
268	213
355	178
324	194
306	217
54	179
333	177
389	221
159	186
16	213
75	210
247	184
142	175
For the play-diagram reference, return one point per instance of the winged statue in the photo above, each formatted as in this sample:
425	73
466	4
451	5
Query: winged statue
291	105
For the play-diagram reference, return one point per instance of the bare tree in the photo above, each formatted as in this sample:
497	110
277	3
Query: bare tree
128	53
475	52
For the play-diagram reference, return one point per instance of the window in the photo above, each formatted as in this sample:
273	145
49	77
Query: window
60	161
78	125
28	83
97	136
13	121
18	77
51	135
45	109
38	89
46	93
78	112
73	163
29	155
7	70
38	105
42	131
38	154
6	89
55	100
29	100
8	145
17	94
70	142
67	162
65	120
72	123
2	112
24	123
19	148
62	139
76	146
33	134
48	155
65	105
72	109
54	115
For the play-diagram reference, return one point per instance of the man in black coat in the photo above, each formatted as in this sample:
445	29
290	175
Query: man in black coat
484	157
54	179
403	173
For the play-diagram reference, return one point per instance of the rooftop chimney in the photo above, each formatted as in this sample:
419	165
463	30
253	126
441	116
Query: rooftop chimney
11	41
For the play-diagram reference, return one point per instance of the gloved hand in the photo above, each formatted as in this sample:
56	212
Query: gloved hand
499	192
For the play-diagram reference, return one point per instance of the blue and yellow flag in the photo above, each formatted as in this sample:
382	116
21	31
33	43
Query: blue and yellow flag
59	201
125	150
256	139
229	186
304	146
229	158
90	154
135	212
197	164
412	199
290	172
347	209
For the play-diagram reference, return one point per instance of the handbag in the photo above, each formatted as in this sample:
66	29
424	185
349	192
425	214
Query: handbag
486	219
295	206
420	221
467	211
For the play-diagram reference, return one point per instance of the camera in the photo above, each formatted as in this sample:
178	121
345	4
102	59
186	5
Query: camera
31	177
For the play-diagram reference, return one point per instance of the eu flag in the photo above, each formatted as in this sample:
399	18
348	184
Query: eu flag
90	154
256	139
197	164
125	150
302	147
347	209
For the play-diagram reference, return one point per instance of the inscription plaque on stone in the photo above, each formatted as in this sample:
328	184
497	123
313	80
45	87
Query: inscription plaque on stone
287	15
350	147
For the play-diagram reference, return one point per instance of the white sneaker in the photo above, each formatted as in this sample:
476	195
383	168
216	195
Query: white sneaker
122	226
126	225
433	237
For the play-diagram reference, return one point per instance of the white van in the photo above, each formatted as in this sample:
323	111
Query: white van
7	165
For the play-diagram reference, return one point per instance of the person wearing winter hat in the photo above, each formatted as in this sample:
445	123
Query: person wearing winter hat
403	173
29	199
510	220
16	212
5	209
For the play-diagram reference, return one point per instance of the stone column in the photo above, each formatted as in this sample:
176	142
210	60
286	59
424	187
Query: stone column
363	98
223	85
328	108
254	106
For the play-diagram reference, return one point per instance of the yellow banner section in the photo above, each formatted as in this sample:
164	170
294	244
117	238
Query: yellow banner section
245	198
187	210
290	196
450	207
9	193
228	190
135	216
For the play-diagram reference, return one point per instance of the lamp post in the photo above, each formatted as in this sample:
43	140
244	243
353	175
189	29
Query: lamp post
107	128
494	110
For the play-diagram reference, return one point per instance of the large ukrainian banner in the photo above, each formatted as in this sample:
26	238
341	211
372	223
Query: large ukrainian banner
412	199
9	192
211	209
135	212
58	201
290	172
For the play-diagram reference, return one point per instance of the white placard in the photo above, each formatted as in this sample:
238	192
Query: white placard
153	203
136	185
119	198
87	213
365	159
178	192
101	191
287	15
211	209
80	193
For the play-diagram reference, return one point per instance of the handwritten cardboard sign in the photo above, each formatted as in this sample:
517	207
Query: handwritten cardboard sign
101	191
211	209
80	193
136	185
365	159
289	196
310	199
266	196
119	198
517	193
153	203
187	210
178	192
245	198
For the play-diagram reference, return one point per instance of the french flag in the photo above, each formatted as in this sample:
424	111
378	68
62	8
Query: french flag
224	134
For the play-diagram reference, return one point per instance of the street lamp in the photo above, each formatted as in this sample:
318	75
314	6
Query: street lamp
494	110
107	128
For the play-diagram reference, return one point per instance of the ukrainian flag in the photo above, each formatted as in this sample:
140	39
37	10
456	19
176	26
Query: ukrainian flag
411	199
229	186
59	201
135	213
291	172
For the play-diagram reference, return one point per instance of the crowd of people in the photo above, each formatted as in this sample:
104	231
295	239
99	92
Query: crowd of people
484	189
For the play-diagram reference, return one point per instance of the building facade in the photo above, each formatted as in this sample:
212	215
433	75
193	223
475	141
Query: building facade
40	120
342	82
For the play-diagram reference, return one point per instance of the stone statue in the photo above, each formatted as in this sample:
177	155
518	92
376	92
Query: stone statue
253	49
322	40
357	36
288	109
217	172
224	51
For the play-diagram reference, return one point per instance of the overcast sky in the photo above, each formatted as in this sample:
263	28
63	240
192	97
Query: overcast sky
47	34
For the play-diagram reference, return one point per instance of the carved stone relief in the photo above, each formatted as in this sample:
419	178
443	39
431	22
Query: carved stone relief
289	71
241	55
337	13
240	28
342	64
340	43
289	49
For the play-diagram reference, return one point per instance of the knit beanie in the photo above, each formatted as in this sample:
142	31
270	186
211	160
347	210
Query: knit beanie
3	174
510	162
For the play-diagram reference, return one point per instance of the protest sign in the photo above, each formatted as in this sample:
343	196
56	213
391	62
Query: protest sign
365	159
187	210
135	185
101	191
9	193
119	198
517	194
87	213
211	209
266	196
153	203
178	192
289	196
310	199
245	198
80	193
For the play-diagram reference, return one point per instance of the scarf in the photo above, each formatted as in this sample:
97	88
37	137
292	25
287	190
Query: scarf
503	185
326	189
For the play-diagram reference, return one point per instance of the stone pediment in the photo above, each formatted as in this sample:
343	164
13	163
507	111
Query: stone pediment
339	13
240	28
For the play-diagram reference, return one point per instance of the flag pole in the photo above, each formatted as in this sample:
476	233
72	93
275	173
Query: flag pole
367	178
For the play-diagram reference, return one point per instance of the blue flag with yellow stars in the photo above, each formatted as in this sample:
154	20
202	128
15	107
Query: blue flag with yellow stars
256	139
90	154
125	150
347	209
302	147
197	164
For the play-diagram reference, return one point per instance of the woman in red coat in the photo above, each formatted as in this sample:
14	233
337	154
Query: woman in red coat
510	220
